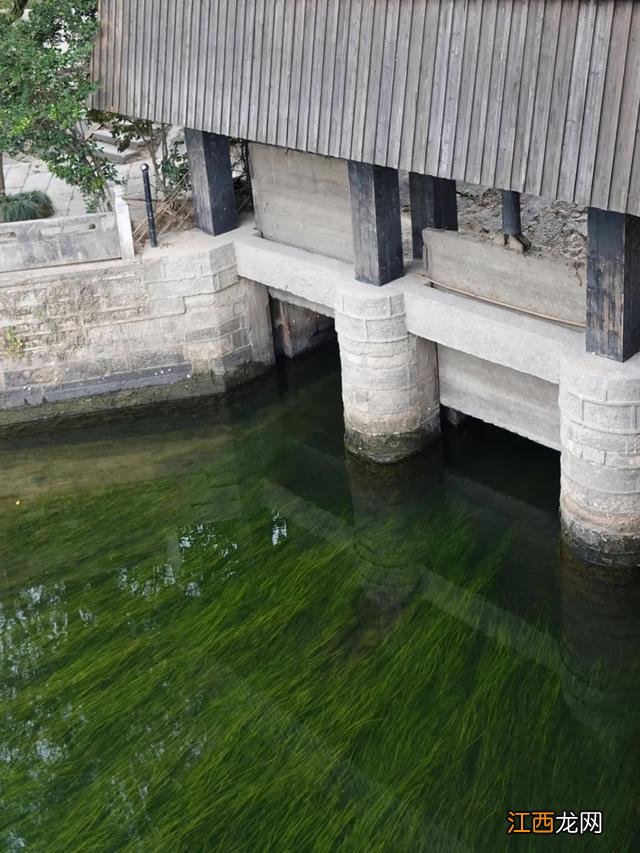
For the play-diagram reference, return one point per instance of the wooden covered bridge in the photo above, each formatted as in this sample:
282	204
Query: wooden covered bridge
527	96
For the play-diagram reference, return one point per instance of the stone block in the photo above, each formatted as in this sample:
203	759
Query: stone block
167	307
371	307
599	477
611	417
240	339
225	278
351	328
237	358
183	286
207	334
205	350
390	329
390	399
230	326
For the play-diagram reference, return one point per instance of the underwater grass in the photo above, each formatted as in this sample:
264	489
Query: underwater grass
251	698
195	670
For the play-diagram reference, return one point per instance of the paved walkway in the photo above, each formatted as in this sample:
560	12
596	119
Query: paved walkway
27	174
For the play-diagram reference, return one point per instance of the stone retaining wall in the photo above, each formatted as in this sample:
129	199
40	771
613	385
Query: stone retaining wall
99	335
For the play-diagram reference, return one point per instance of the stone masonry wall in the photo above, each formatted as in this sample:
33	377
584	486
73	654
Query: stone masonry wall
119	333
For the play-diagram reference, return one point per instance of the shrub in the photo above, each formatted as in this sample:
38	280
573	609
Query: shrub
24	206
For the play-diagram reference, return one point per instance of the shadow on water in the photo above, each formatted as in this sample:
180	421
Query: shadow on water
218	631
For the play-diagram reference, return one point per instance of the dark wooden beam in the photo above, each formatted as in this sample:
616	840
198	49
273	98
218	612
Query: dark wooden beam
212	181
434	204
613	284
377	231
511	219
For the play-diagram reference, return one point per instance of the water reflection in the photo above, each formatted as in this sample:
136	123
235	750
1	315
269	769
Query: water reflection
389	502
601	641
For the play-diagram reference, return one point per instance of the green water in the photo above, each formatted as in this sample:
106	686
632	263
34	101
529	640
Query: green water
218	633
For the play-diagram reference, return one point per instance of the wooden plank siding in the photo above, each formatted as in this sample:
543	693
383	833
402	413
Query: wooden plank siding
537	96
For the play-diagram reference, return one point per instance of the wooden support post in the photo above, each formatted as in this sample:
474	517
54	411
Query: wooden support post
377	231
212	181
511	219
433	205
613	284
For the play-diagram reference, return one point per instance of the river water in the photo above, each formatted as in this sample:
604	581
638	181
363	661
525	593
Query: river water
219	632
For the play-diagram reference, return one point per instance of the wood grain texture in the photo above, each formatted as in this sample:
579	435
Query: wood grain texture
377	229
537	96
613	284
212	180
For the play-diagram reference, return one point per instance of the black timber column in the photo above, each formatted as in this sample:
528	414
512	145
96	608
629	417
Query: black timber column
613	284
433	205
511	218
375	214
212	181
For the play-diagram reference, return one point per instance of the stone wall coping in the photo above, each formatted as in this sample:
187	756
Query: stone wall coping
27	277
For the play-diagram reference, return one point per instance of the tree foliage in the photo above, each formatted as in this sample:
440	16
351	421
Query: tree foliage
45	90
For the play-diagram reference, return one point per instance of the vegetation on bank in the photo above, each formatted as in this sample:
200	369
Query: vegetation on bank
24	206
45	90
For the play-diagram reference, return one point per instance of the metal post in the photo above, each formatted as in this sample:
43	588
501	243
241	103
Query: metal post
511	222
151	217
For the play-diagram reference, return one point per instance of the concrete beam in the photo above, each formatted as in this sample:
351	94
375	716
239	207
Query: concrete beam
498	395
530	345
553	289
526	344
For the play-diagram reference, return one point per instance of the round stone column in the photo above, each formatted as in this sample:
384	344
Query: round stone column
600	434
389	377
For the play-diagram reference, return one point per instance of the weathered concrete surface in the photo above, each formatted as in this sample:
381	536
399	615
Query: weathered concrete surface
389	377
58	242
302	200
600	423
527	344
297	329
498	395
109	335
552	289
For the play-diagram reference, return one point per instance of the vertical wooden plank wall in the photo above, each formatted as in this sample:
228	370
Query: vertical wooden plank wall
538	96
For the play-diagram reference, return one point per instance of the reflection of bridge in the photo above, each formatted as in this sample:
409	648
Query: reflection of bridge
480	614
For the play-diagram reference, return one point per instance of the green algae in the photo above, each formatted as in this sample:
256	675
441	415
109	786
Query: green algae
255	645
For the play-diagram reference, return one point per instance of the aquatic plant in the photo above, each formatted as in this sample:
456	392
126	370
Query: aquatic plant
213	656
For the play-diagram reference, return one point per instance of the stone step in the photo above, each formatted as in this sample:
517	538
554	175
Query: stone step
104	135
109	151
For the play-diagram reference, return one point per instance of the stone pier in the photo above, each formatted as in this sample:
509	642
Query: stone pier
600	434
389	377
